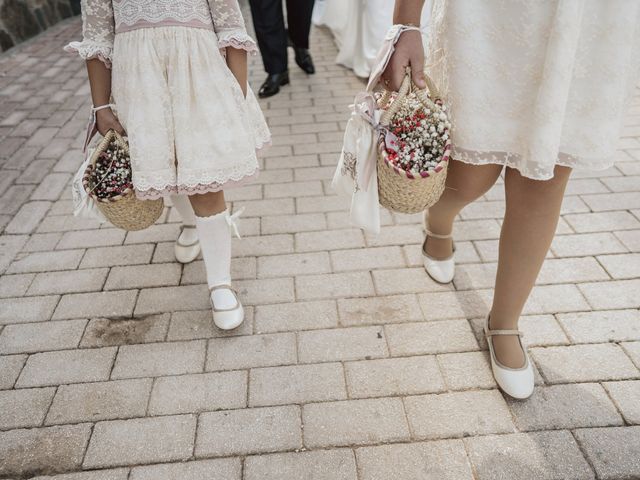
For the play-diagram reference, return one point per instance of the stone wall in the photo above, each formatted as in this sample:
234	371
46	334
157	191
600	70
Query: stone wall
22	19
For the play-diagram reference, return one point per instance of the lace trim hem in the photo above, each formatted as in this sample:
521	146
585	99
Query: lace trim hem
88	49
200	188
237	39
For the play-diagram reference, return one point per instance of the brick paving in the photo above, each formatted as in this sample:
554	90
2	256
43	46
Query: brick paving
351	364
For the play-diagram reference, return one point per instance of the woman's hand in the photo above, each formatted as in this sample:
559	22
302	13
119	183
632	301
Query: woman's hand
106	120
408	53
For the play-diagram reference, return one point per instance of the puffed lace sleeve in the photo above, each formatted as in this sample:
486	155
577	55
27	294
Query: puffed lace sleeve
229	26
98	27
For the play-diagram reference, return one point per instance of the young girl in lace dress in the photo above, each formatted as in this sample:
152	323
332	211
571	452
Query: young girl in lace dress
177	73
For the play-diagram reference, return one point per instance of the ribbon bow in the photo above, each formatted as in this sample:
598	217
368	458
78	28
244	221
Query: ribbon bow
232	221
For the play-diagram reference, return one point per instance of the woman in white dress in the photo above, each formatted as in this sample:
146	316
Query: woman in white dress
541	88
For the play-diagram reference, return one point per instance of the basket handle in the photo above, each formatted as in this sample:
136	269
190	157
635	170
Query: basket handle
406	88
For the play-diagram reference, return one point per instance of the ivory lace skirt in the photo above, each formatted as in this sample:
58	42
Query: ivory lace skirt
534	84
190	128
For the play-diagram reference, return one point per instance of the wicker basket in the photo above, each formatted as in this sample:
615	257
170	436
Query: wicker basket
124	211
399	190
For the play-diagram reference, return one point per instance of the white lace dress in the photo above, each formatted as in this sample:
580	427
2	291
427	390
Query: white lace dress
532	84
190	128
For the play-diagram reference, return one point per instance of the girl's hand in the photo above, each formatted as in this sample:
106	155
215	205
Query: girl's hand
408	53
106	120
237	63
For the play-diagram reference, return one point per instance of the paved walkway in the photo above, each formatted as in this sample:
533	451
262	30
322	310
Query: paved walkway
352	364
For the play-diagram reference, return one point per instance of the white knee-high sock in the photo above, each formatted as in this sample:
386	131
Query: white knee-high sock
183	206
215	240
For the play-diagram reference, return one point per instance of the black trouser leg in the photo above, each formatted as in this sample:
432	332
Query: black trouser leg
299	21
268	21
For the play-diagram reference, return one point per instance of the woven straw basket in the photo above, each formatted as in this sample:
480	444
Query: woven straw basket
399	190
125	210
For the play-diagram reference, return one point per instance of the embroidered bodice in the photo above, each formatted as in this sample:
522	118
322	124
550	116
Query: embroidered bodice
103	19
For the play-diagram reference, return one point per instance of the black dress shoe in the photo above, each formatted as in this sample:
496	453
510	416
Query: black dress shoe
272	84
304	60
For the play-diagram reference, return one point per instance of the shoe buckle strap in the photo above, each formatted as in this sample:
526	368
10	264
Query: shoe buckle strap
223	287
490	333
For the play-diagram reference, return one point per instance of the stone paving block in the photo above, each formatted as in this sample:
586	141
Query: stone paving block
396	235
328	240
468	370
583	363
198	393
393	377
97	304
241	269
565	407
354	422
367	258
171	299
296	384
612	201
268	290
103	237
10	367
586	244
247	431
67	366
217	469
341	344
51	186
571	270
10	245
439	460
105	332
632	349
612	295
630	239
155	233
111	474
334	285
338	464
47	262
613	452
293	223
38	337
28	217
15	285
72	281
379	310
602	221
602	326
158	359
91	402
25	407
445	305
625	395
406	280
296	316
141	440
263	245
524	456
623	266
292	265
555	299
476	413
432	337
26	310
65	223
26	453
257	351
193	325
115	256
144	276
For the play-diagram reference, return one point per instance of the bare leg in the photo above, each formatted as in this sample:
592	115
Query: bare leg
207	204
465	183
531	218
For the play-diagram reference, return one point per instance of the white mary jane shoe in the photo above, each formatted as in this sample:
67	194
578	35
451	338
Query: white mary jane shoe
515	382
442	271
187	251
227	318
